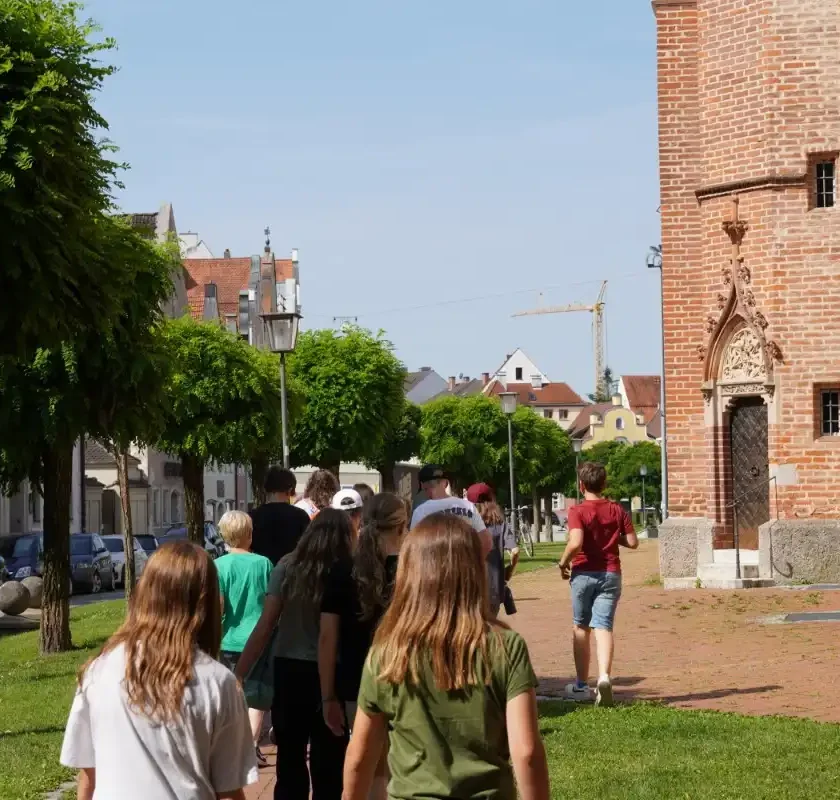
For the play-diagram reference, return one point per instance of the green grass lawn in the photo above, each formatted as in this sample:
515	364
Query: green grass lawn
634	752
35	697
649	752
545	555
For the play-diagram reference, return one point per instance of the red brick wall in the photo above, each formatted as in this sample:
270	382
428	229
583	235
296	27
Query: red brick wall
747	91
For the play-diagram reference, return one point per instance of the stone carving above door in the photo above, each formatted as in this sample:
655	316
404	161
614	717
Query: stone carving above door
743	359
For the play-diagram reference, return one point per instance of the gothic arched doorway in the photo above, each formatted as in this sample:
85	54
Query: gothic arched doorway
748	444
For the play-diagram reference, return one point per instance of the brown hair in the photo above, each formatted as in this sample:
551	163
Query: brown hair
383	514
490	513
439	614
176	608
593	476
321	487
365	492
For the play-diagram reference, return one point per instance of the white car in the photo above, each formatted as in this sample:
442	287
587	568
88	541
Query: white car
116	548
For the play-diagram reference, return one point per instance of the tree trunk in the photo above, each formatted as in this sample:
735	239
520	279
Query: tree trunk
549	527
128	528
259	468
535	528
332	466
386	470
193	471
55	608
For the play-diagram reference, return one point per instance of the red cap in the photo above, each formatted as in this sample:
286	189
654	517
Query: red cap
480	493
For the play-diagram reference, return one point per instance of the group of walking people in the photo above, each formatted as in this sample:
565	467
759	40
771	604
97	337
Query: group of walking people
392	674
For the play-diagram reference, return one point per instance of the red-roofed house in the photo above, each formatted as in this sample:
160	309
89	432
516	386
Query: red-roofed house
642	394
555	401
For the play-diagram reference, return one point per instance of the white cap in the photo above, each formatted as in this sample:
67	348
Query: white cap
347	500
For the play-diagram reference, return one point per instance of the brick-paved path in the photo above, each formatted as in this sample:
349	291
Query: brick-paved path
692	649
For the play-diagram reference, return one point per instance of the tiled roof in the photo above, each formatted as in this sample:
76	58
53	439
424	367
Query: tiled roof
551	394
412	379
148	221
97	456
581	424
643	391
231	275
462	389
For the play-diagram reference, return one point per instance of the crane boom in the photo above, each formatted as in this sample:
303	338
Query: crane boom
597	311
554	310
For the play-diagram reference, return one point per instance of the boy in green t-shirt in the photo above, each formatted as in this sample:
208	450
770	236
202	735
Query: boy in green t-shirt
243	581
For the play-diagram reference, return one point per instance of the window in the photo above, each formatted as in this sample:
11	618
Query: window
619	424
824	189
547	413
35	506
563	413
830	414
519	373
156	506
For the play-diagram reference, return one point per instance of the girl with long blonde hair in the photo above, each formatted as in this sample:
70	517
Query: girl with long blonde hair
155	714
447	680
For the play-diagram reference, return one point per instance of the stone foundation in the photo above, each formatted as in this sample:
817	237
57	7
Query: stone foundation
799	551
683	543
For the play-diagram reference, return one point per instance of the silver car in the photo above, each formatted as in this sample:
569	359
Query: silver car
116	548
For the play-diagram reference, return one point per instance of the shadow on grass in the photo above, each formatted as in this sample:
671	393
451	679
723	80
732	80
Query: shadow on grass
32	731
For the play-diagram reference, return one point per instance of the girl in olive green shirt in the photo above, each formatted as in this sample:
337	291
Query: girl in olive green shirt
450	688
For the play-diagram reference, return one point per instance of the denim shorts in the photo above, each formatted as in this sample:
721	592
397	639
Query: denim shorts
594	598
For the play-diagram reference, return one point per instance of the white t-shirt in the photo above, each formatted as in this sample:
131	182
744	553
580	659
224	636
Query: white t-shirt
207	752
308	506
450	505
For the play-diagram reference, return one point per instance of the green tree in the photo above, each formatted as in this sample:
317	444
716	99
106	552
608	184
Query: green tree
353	389
222	405
94	384
131	402
56	179
607	388
623	472
467	437
400	444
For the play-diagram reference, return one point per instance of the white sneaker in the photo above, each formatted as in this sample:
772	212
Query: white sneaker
604	693
577	693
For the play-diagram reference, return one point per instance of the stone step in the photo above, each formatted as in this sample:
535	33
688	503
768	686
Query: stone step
718	583
728	556
721	571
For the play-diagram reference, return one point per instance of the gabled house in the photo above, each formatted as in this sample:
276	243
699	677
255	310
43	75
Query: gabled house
554	401
642	394
518	368
423	385
609	422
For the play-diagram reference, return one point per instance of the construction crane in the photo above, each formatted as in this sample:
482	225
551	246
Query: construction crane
597	311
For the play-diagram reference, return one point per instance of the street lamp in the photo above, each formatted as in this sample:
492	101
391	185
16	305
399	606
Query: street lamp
281	328
654	261
508	400
643	473
577	444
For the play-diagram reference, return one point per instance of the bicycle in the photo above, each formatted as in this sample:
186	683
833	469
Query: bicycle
524	540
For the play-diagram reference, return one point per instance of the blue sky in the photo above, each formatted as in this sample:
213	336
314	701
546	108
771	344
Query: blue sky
433	161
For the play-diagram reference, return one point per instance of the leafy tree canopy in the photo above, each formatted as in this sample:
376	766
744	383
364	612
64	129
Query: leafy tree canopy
466	436
353	387
56	179
223	396
623	462
400	443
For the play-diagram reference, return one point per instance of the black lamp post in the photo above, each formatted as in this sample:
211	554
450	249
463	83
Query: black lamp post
281	328
577	444
643	473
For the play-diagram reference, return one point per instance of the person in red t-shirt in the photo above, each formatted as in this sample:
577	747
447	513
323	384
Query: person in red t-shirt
596	529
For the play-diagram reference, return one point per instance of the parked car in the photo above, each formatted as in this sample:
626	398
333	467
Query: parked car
26	556
213	542
116	548
91	565
147	542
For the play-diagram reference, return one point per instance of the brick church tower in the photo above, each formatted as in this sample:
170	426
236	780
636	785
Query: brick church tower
749	137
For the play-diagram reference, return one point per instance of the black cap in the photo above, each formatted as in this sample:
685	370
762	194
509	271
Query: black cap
431	472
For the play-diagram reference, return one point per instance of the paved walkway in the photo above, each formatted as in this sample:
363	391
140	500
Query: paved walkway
691	649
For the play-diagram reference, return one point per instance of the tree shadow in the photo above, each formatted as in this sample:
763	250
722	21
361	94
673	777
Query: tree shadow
32	731
713	694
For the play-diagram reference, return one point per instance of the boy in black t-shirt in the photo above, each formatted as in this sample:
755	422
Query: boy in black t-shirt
278	525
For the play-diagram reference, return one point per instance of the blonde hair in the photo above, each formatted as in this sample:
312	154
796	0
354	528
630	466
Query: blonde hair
236	528
175	609
439	614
